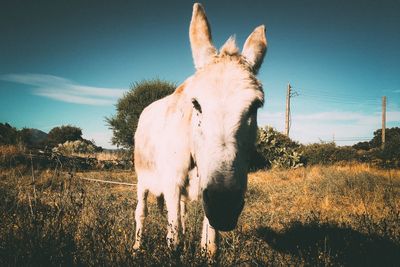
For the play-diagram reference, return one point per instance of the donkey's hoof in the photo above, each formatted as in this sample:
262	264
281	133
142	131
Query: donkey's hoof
136	246
210	251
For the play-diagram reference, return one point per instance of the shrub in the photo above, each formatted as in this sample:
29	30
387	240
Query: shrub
327	153
392	137
389	157
59	135
275	150
362	146
78	146
8	134
371	151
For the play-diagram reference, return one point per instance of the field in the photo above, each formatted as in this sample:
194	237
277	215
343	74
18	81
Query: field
334	215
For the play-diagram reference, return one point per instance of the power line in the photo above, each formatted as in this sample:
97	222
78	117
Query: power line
353	139
360	140
337	101
341	98
334	99
340	94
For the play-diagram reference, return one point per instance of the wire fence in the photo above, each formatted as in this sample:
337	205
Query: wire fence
107	181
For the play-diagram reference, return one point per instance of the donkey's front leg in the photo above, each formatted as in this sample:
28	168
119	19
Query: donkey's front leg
209	238
172	201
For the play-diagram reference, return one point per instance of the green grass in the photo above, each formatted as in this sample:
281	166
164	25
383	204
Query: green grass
324	216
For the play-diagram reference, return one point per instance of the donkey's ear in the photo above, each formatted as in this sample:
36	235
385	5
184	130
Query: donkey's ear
255	47
200	38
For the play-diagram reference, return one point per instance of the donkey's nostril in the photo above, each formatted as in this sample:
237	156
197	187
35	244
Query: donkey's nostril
222	207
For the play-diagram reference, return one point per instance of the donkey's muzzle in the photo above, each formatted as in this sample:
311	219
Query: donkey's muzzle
222	208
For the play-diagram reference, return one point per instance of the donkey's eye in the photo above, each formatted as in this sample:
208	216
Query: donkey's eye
196	105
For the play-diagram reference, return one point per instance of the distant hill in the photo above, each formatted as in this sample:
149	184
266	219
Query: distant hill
37	137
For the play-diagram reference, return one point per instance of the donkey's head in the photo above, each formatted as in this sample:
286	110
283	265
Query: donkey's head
225	96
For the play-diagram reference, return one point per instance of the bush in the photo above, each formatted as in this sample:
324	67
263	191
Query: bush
386	158
131	105
275	150
392	138
362	146
371	151
73	147
8	134
64	133
328	153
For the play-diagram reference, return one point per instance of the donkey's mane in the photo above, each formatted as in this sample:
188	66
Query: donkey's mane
230	48
230	52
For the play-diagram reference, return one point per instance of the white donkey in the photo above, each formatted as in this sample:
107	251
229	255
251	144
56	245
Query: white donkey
197	141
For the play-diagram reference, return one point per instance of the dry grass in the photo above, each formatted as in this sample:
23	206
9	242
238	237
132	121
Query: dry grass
336	192
337	215
103	156
9	150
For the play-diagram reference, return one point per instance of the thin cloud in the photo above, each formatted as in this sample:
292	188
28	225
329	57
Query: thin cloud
71	98
65	90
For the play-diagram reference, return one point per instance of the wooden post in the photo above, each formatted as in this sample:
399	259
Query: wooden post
287	117
383	121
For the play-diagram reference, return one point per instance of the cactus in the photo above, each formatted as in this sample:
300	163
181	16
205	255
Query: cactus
276	150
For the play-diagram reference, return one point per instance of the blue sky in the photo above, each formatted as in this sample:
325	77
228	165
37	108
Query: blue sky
67	62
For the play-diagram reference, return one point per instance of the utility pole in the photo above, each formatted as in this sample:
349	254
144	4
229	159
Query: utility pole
383	121
287	117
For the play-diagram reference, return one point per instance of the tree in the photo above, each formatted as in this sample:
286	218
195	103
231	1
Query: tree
390	155
130	106
392	137
59	135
